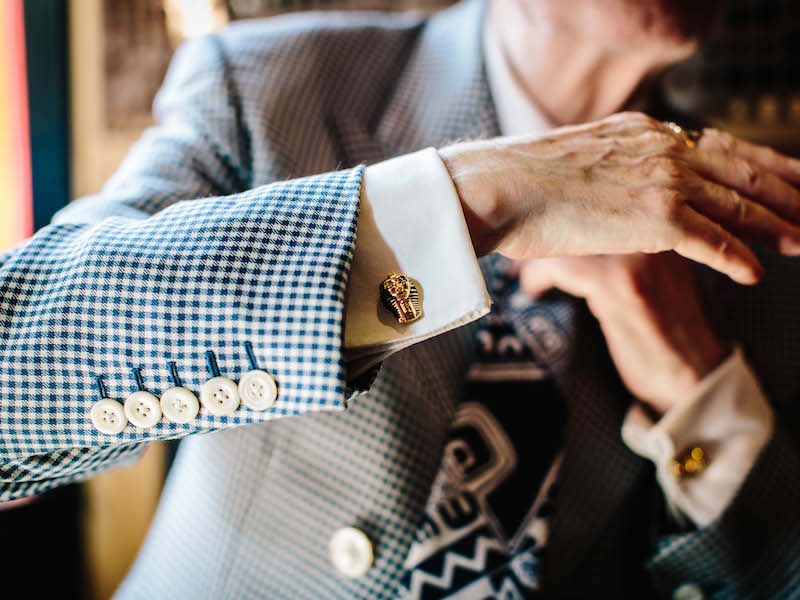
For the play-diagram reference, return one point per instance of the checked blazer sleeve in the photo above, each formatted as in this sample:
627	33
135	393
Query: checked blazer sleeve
178	256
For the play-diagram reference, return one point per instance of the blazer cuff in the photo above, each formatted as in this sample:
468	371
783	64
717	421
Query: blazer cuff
410	223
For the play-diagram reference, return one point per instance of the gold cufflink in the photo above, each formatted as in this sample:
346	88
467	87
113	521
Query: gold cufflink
400	297
690	464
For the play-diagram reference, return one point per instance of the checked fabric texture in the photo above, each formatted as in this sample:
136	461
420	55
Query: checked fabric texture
206	240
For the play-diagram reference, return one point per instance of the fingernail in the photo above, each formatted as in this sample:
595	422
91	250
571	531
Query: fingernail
789	245
750	275
758	272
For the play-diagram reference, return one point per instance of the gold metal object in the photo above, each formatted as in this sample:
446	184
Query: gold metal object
691	464
690	137
400	297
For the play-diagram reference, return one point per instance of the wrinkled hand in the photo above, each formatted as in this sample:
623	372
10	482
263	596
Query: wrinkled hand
626	184
650	313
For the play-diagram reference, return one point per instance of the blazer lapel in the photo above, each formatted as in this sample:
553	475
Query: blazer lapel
442	95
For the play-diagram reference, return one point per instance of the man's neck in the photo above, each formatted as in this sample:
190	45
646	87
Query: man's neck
570	79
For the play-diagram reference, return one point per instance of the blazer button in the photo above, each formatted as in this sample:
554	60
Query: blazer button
688	591
351	552
142	409
220	396
108	416
258	390
179	405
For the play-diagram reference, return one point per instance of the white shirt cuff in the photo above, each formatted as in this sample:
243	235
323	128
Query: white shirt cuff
728	416
410	223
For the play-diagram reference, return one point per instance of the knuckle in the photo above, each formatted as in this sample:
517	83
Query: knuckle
723	245
665	167
743	209
636	116
665	204
750	174
720	242
667	142
671	202
672	206
722	140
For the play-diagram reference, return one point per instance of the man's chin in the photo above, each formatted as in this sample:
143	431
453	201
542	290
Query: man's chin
677	21
669	25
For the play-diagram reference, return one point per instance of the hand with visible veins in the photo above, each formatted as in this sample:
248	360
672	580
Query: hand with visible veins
623	185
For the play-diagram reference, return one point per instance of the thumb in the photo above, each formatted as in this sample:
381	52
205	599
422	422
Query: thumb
573	275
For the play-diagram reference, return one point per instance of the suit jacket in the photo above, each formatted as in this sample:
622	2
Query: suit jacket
205	239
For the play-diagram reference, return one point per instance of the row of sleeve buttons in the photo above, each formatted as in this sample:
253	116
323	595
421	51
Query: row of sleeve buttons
220	396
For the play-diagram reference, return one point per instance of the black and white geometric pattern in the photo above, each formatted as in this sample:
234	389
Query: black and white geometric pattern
205	240
485	522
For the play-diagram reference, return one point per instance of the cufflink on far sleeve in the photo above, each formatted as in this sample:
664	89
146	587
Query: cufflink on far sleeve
690	464
399	295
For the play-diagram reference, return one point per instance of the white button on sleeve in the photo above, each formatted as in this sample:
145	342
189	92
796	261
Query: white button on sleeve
142	409
108	416
351	552
258	390
220	396
179	405
410	222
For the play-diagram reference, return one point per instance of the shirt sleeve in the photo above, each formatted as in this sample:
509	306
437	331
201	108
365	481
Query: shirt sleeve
410	223
729	417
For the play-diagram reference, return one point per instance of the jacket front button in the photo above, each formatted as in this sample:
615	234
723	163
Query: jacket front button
688	591
351	552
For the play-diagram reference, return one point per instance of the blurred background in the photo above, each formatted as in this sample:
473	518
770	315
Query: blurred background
77	80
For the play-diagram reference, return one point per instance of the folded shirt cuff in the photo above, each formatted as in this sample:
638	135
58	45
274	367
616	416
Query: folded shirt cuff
410	223
728	416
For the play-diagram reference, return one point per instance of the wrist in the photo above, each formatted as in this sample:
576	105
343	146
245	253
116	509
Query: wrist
705	355
698	363
474	181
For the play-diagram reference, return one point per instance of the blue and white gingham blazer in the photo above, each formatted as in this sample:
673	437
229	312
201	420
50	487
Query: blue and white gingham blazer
233	221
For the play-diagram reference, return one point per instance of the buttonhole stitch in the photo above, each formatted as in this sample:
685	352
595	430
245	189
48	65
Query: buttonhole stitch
100	387
251	355
212	364
173	371
137	374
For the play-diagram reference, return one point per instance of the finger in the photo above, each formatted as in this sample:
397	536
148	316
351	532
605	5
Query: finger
537	276
571	275
771	160
751	180
741	215
707	242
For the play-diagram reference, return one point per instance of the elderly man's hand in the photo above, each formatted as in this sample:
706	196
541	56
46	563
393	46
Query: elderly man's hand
650	313
627	184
